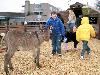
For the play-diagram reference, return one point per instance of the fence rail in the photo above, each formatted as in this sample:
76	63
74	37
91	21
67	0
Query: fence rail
18	27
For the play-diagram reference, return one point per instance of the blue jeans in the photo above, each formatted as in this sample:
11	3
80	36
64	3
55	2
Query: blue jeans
85	48
56	43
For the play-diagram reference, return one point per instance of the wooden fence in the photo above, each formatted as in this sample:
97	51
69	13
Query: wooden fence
4	29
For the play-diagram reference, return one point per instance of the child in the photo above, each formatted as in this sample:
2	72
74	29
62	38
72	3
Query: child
83	33
71	36
71	30
57	32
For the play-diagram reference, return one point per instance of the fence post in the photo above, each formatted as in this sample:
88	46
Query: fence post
7	27
99	27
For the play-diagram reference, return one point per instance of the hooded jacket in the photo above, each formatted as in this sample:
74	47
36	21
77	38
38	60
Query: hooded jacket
57	26
85	30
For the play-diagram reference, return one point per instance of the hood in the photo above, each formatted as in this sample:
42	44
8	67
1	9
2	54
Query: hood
85	20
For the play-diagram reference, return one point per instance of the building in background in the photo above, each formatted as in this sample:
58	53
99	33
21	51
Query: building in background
38	12
33	14
11	18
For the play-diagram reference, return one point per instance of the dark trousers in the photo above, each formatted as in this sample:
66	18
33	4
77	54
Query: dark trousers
85	48
72	37
56	43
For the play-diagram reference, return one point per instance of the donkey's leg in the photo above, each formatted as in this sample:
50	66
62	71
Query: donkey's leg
11	55
2	39
36	57
6	60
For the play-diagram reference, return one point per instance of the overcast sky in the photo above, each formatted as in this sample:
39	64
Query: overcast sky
16	5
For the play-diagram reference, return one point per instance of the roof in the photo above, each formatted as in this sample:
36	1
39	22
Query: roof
36	21
95	9
80	5
12	14
77	5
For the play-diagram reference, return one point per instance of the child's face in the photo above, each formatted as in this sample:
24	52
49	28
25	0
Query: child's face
74	29
54	16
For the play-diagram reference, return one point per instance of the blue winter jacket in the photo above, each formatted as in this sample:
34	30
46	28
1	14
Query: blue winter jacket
57	26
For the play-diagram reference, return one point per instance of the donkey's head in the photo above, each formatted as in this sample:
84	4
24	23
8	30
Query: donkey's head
45	32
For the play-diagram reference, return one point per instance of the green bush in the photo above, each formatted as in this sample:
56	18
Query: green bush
85	10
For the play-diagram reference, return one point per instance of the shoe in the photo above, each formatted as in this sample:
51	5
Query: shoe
59	54
82	57
53	53
76	49
88	53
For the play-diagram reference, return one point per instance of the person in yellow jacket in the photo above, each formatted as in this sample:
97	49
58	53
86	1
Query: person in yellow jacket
84	32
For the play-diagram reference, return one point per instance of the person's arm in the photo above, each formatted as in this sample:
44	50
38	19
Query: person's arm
62	20
62	28
77	34
92	32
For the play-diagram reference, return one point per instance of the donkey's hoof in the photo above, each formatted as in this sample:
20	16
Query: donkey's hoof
7	73
11	68
38	66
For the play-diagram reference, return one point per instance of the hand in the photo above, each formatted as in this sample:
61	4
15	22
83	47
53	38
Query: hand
65	39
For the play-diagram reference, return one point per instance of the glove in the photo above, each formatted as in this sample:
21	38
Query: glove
65	39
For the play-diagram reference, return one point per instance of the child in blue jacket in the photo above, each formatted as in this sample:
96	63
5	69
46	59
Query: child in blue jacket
57	32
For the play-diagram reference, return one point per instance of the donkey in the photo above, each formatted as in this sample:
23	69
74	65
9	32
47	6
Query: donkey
28	40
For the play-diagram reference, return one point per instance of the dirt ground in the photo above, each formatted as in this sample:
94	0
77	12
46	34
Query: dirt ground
69	64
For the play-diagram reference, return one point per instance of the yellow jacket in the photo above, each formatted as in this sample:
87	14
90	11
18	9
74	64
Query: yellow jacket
85	30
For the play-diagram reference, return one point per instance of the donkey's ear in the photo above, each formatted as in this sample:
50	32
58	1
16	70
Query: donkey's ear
40	26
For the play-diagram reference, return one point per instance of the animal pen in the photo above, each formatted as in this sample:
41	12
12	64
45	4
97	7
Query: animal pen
68	64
